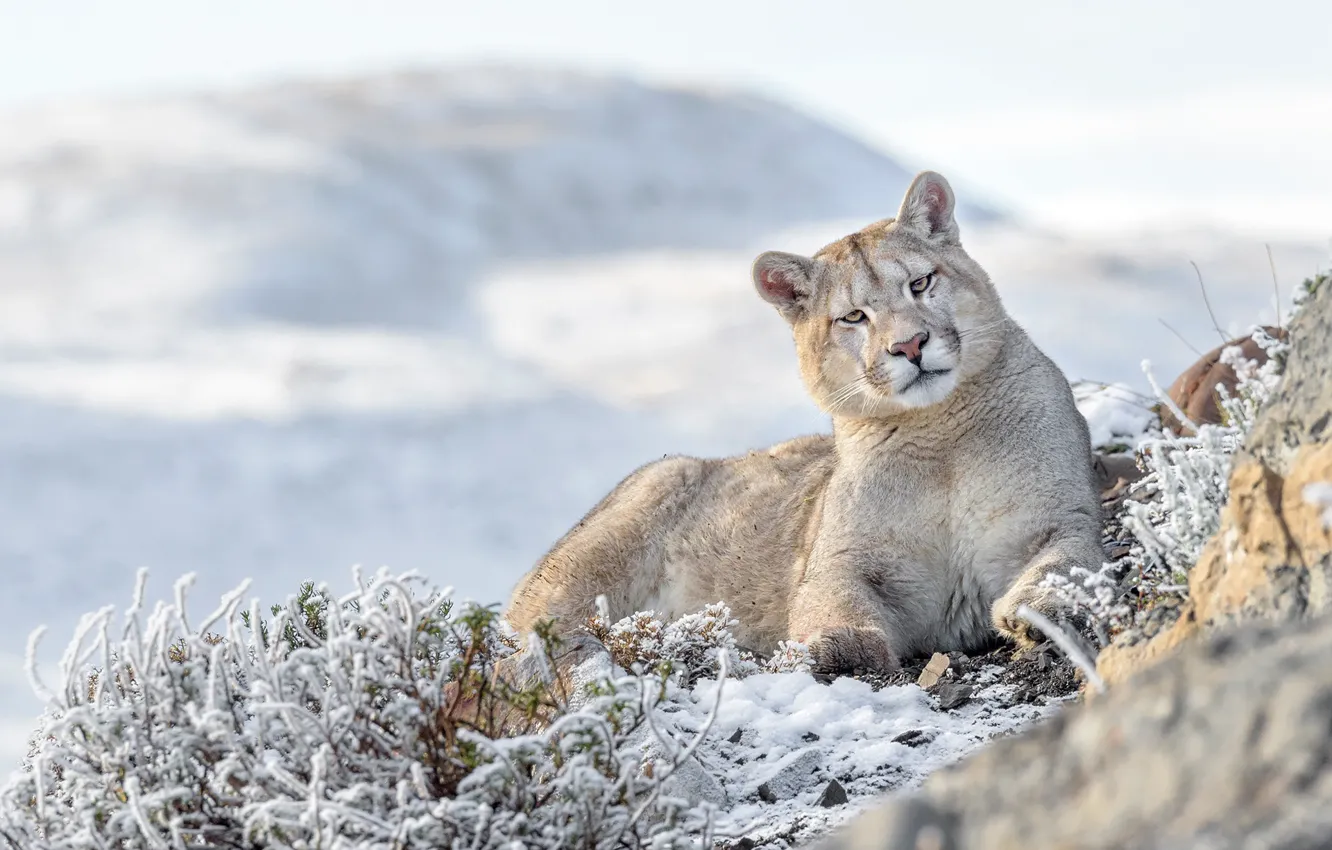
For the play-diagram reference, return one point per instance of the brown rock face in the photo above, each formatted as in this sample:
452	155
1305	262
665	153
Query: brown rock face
1219	731
1195	390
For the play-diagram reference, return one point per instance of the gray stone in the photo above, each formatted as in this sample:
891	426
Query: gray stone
914	738
690	780
792	774
1110	469
833	795
952	695
693	782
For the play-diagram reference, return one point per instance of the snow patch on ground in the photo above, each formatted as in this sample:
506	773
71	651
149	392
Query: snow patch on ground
798	734
1319	495
1115	413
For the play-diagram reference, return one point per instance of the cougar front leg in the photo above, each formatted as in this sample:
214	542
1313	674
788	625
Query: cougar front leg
1057	555
843	627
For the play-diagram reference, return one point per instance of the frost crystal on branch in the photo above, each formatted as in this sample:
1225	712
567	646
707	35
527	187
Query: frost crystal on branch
1188	477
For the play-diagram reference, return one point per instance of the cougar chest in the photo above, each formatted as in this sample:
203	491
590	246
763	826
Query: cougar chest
896	500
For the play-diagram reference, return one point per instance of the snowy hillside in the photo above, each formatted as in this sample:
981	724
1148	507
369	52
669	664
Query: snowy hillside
379	201
426	320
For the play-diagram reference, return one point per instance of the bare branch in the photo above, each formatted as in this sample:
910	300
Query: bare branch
1215	324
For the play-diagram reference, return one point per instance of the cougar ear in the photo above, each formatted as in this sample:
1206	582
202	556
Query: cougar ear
784	280
928	208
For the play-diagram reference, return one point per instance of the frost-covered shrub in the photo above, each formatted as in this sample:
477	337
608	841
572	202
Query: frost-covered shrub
365	721
1177	505
791	656
1187	479
692	647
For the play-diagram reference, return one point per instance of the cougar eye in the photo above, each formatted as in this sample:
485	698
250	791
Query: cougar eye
920	284
855	317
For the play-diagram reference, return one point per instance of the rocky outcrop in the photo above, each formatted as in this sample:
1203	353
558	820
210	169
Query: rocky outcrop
1219	733
1301	415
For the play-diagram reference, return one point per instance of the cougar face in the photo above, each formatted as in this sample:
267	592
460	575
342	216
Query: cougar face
891	317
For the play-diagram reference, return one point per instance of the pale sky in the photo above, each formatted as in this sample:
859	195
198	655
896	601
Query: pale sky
1081	116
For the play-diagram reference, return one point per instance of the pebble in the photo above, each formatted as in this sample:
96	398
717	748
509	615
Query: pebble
953	694
833	795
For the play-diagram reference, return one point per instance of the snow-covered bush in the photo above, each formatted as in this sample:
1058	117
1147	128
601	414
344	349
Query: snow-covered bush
1177	504
373	720
692	647
365	721
1187	477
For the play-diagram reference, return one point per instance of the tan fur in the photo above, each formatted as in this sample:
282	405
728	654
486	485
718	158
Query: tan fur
933	510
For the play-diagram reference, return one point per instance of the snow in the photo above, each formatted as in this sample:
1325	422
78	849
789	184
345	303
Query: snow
1319	494
776	736
872	742
1115	413
427	320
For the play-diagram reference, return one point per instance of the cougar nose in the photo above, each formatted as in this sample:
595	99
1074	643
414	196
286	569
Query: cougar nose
911	348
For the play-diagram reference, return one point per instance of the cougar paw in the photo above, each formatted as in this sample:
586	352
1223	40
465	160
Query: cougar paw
1042	600
853	651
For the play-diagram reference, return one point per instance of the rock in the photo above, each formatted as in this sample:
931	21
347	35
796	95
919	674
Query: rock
1195	390
833	795
693	782
690	781
1272	559
1302	411
929	677
914	738
595	668
809	737
1227	743
952	695
735	736
1114	471
791	775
